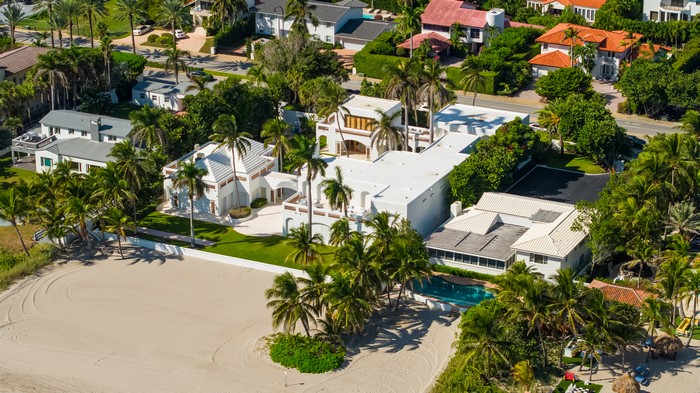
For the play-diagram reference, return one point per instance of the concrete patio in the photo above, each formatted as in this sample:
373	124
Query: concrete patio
266	221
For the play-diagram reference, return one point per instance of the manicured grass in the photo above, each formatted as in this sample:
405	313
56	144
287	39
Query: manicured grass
118	27
268	249
122	109
206	48
227	74
563	385
572	162
9	176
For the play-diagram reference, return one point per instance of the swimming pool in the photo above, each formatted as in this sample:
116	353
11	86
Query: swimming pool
460	295
368	16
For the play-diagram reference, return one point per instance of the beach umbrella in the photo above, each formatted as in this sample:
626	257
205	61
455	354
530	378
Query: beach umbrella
625	384
666	344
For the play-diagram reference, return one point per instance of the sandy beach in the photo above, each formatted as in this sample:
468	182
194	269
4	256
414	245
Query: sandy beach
163	324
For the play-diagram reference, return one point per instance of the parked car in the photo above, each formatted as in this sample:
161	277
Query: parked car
179	34
537	127
200	74
143	29
635	142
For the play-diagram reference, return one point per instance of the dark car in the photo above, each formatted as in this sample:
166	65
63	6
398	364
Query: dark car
200	74
635	142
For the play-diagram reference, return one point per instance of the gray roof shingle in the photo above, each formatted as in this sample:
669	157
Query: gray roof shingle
496	244
325	12
20	59
82	148
81	121
363	29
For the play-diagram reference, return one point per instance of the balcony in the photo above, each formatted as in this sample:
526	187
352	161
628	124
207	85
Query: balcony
674	5
29	142
198	10
299	204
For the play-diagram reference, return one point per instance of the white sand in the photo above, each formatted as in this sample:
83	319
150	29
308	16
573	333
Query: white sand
167	325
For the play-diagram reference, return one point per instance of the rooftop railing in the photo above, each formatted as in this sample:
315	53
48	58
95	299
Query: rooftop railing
32	142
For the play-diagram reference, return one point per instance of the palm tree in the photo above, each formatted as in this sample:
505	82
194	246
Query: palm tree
567	296
346	302
13	209
276	132
46	5
13	15
300	12
411	263
288	305
384	232
409	23
458	37
644	254
523	374
117	221
229	10
112	188
314	286
94	9
79	203
129	163
145	127
329	101
258	73
356	257
175	60
227	135
434	90
71	10
58	22
303	156
337	192
690	123
173	13
691	288
135	12
106	47
385	136
550	118
305	246
590	345
624	335
492	32
402	83
485	337
670	280
570	33
340	232
189	176
683	219
472	81
654	311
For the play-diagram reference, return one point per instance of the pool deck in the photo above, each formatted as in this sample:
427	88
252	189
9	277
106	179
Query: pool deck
438	304
464	280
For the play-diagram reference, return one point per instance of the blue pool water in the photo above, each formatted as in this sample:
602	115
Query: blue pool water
461	295
368	16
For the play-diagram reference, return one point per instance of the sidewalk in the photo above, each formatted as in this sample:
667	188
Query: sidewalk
174	236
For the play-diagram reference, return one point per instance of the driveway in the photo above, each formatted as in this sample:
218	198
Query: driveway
266	221
193	43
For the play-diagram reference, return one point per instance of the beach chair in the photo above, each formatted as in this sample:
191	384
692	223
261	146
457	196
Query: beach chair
641	374
569	376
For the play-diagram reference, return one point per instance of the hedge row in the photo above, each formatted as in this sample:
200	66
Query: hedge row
306	354
235	34
464	273
493	80
374	66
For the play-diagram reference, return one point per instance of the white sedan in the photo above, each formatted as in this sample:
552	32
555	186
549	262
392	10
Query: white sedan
143	29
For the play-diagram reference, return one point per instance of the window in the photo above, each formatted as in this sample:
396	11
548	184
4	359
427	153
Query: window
545	45
71	131
111	138
46	162
167	99
654	15
273	31
83	133
537	258
328	38
608	70
143	95
475	33
610	54
358	122
75	166
329	25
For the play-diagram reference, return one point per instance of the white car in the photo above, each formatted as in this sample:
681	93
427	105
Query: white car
537	127
143	29
179	34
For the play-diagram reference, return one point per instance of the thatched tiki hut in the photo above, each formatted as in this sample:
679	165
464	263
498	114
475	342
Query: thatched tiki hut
667	346
625	384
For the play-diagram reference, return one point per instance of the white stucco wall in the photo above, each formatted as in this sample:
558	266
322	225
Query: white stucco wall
690	9
56	159
166	101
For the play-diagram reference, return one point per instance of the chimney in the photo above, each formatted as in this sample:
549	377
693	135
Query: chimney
455	209
95	129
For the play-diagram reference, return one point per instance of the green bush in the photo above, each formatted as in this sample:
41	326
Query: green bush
136	62
374	66
463	273
306	354
258	203
15	265
381	48
236	33
493	80
152	38
166	39
243	211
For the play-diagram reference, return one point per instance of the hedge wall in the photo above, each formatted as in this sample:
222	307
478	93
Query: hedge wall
374	66
235	34
493	80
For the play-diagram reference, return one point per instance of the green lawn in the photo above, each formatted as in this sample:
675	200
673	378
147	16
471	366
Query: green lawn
9	175
269	249
122	109
563	385
696	336
206	48
572	162
118	27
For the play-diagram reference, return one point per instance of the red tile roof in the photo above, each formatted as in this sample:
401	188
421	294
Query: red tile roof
632	296
447	12
613	41
578	3
555	58
437	42
643	50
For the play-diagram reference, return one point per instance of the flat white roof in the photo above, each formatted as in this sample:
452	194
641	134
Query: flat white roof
399	176
370	103
483	121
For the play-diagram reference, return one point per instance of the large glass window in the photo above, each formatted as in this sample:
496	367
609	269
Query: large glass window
46	162
358	122
537	258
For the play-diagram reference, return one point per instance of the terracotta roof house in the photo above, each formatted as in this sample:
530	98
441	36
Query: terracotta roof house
585	8
632	296
438	43
613	47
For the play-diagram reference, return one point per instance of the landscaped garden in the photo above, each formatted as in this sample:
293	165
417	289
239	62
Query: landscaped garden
118	27
9	175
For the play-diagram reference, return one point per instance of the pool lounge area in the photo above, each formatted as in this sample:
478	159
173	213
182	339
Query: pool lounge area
447	296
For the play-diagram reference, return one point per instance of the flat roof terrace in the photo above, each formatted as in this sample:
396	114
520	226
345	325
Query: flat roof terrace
560	185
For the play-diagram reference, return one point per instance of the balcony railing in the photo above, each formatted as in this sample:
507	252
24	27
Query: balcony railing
299	204
32	141
674	5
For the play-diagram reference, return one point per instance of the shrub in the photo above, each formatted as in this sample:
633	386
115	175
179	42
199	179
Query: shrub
464	273
152	38
236	33
380	48
258	203
564	82
15	265
243	211
493	80
166	39
306	354
374	66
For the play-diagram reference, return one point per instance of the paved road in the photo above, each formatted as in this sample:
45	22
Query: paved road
633	124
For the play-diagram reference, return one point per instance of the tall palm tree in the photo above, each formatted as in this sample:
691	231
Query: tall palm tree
314	286
492	32
458	37
385	230
305	246
472	81
226	134
645	254
385	136
130	164
691	289
590	344
337	192
433	90
175	60
624	335
670	281
13	209
346	302
106	47
330	102
550	117
303	156
300	11
58	22
485	337
146	127
46	5
567	296
690	123
683	219
258	73
117	221
229	10
411	263
189	176
340	232
79	203
654	311
135	12
71	10
112	188
357	258
409	23
13	15
402	83
94	9
276	132
288	305
173	14
571	33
